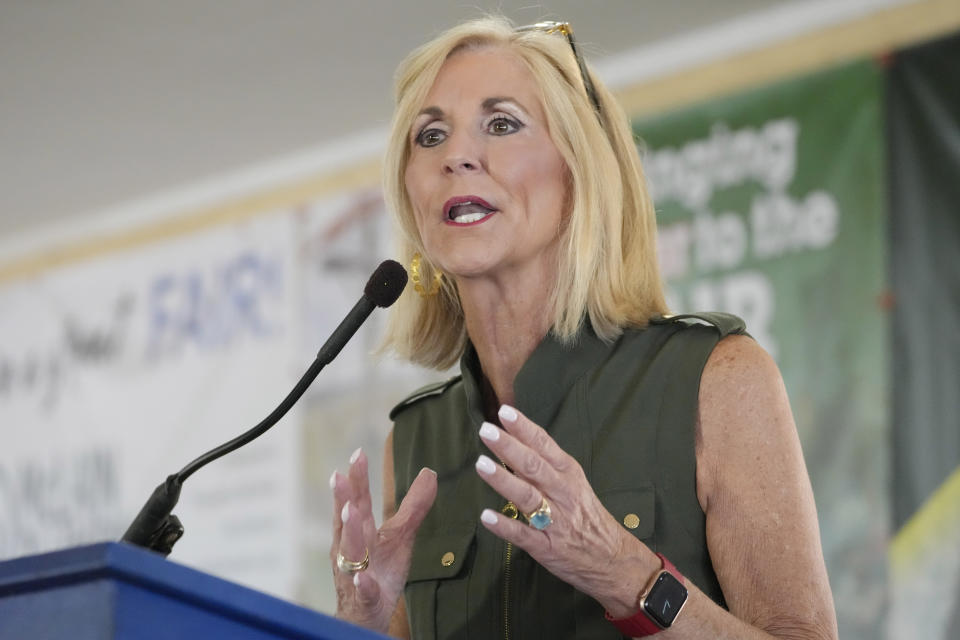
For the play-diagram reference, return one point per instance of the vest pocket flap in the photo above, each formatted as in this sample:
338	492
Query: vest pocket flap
633	508
440	555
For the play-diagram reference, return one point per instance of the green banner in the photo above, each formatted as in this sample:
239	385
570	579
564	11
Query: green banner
770	206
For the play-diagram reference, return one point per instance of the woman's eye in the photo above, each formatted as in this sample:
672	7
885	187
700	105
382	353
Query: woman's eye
501	126
430	137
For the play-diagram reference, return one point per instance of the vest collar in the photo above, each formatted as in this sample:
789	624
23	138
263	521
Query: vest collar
544	380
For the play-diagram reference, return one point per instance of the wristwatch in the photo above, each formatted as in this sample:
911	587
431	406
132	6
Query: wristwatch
657	606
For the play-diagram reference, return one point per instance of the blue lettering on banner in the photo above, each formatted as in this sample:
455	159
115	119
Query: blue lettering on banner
205	309
213	310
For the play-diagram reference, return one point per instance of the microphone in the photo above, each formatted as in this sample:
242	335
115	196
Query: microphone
155	527
382	290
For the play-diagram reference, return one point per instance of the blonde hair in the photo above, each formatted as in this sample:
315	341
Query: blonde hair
608	264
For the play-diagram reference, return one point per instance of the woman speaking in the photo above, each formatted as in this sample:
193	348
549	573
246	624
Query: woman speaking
598	469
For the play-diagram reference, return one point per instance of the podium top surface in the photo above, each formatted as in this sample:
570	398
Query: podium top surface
152	572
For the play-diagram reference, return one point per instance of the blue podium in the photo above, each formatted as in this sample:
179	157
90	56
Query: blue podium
115	591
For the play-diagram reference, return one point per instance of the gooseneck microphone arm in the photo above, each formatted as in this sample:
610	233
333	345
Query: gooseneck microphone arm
155	527
360	312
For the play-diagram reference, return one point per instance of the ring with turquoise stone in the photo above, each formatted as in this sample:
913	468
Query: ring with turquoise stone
540	519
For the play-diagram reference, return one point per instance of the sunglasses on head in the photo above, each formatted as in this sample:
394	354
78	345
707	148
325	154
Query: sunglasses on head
564	28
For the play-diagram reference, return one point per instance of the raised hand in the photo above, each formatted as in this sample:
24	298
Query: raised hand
572	534
370	565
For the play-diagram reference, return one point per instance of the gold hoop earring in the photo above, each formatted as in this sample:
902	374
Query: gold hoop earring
418	283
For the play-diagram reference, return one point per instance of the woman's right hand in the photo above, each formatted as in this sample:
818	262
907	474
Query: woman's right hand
369	597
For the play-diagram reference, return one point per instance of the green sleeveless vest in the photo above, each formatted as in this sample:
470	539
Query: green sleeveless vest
626	411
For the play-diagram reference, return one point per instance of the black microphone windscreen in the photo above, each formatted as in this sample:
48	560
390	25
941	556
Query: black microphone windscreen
386	284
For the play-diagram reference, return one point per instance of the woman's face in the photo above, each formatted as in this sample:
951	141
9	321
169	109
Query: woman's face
487	184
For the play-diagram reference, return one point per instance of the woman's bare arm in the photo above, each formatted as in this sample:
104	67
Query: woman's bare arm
752	483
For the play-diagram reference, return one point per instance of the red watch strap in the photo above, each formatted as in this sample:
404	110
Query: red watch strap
668	566
639	624
636	626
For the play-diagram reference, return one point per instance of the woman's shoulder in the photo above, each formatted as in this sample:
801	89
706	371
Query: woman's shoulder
725	323
737	368
679	343
434	390
743	406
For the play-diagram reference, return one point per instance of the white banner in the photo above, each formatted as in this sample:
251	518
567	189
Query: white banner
116	372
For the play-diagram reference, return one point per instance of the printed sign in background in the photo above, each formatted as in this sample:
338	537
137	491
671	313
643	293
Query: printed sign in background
120	370
771	206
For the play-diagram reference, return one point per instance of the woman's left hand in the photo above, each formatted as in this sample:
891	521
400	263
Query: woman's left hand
583	545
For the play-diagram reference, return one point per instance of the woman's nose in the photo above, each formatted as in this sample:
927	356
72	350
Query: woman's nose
463	155
460	164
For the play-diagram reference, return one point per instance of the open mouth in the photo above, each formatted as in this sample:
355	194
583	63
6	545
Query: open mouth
468	210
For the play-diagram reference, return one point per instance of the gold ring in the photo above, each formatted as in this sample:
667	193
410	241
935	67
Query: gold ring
540	519
349	566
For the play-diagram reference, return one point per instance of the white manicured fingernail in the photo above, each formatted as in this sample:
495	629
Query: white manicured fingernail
345	513
489	432
428	470
508	413
356	580
355	455
333	480
489	516
485	465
